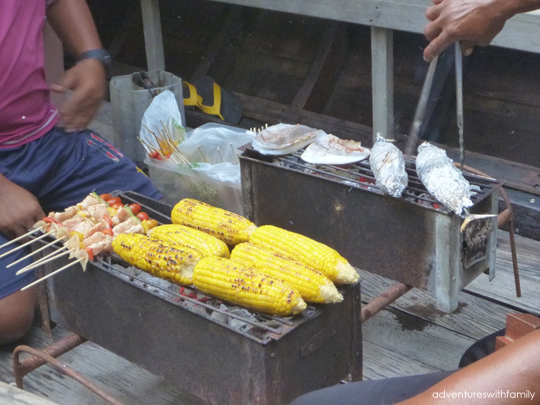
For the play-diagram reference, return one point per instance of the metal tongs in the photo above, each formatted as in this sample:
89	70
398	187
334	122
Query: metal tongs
420	113
459	101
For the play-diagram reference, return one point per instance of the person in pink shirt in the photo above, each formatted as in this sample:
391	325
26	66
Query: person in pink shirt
48	160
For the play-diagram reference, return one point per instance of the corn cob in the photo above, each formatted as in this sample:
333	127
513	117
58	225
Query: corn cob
224	225
156	257
205	244
312	284
307	251
244	286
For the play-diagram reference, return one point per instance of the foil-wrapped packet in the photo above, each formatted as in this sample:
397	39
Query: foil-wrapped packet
388	166
442	179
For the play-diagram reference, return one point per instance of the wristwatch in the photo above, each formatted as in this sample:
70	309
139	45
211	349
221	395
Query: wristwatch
100	54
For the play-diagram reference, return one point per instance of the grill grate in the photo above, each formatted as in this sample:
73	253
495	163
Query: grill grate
359	175
263	328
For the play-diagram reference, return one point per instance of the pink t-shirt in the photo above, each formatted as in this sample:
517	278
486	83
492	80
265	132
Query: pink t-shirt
26	112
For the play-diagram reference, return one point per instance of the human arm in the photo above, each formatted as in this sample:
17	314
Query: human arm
19	209
472	22
74	25
515	368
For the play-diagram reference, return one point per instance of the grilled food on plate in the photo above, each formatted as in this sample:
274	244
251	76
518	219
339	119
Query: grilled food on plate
330	150
307	251
229	227
206	245
282	139
239	284
312	284
388	166
158	258
442	179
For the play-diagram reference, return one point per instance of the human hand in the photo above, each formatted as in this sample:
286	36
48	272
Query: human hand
19	209
86	80
472	22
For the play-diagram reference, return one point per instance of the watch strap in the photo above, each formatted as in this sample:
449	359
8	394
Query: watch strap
100	54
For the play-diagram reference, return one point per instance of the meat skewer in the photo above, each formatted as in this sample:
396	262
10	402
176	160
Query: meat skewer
28	243
37	251
19	238
50	257
53	273
92	224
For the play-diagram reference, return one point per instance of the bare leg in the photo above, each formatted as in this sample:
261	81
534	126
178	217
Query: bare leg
16	315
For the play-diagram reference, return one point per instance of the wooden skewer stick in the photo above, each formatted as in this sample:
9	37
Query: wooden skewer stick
44	260
149	146
234	153
27	243
166	131
19	238
35	251
53	273
155	136
144	146
220	155
202	154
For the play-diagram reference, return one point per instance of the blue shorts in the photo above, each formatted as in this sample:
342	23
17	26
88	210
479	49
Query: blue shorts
61	169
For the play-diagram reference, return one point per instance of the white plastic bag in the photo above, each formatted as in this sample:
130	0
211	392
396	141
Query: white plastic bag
213	175
162	116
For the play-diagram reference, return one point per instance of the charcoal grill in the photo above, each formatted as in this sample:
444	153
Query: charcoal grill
194	342
413	240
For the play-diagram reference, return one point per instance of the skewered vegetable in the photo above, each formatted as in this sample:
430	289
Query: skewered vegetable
224	225
312	284
244	286
307	251
157	257
205	244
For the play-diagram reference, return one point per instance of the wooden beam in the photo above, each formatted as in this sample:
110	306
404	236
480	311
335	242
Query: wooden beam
231	24
153	40
382	73
320	60
520	32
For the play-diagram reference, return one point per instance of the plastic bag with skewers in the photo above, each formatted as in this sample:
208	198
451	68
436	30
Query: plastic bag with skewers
161	128
211	170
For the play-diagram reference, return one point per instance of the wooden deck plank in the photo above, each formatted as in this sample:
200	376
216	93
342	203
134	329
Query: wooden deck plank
126	381
474	318
409	336
383	363
10	395
502	289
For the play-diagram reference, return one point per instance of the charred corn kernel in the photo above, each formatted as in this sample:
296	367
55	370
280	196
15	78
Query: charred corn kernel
229	227
312	284
205	244
156	257
78	234
307	251
229	281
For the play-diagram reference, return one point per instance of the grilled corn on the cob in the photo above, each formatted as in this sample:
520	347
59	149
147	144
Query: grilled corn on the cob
244	286
312	284
206	245
224	225
307	251
156	257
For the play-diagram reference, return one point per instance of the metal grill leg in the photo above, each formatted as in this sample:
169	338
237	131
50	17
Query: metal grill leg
41	357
